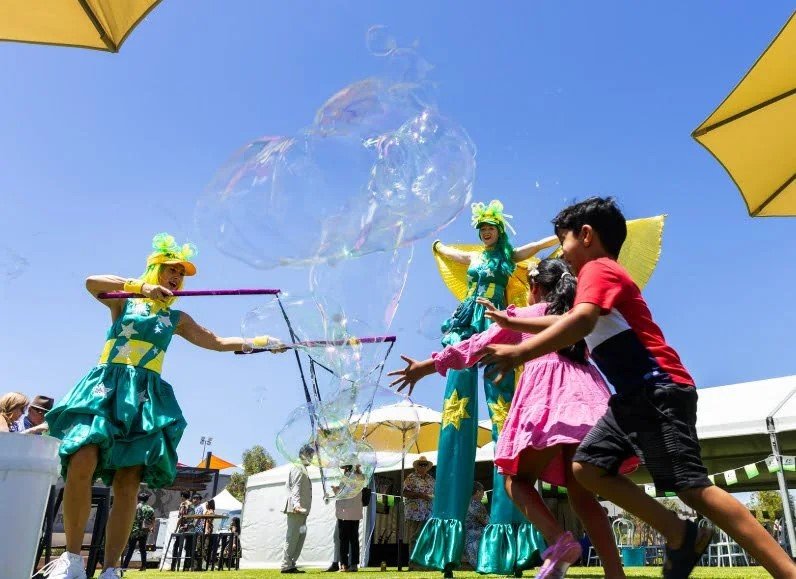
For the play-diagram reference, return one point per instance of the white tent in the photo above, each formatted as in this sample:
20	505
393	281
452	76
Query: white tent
226	503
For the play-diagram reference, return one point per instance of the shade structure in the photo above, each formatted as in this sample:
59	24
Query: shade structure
97	24
752	134
216	463
389	428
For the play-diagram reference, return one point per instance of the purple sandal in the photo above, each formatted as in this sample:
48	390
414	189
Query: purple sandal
554	567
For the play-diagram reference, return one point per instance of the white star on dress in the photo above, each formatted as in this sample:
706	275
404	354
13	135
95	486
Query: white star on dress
141	309
124	350
128	331
158	329
165	320
99	390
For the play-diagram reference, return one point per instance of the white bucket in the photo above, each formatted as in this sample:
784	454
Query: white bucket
28	468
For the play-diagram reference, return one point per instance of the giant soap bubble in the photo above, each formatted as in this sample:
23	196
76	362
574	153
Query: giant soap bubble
379	167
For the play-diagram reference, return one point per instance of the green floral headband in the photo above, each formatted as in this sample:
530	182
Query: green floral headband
492	214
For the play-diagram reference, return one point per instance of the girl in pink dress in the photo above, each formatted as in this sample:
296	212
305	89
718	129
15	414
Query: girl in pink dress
558	399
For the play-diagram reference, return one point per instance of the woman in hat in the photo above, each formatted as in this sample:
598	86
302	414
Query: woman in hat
33	422
489	271
121	422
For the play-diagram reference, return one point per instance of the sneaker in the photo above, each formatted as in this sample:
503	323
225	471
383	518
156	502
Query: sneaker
67	566
112	573
333	567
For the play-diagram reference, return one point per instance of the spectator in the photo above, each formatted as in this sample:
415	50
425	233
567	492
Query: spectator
12	407
143	523
183	526
477	519
33	422
297	507
349	514
199	533
208	542
418	494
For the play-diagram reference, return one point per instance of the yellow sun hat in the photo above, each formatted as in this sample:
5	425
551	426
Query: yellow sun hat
168	252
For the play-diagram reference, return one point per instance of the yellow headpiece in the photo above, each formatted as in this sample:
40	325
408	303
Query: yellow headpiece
167	251
492	214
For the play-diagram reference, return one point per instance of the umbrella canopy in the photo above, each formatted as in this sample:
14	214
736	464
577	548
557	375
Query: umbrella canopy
216	463
98	24
386	428
753	132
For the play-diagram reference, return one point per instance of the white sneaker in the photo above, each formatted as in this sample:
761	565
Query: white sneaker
67	566
111	573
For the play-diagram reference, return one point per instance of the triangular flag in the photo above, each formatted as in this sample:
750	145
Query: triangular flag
562	490
669	494
546	486
650	490
751	470
771	463
390	500
730	477
712	478
789	463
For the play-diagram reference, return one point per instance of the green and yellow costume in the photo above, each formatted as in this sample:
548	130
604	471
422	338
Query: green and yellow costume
123	405
509	543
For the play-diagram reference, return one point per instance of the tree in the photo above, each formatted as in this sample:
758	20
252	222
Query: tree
767	505
256	459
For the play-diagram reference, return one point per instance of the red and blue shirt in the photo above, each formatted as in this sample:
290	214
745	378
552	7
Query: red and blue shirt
626	344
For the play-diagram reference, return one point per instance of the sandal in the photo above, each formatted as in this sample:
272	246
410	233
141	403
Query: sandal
559	556
680	562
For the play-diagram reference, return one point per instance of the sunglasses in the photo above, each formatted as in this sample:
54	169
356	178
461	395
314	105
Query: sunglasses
423	464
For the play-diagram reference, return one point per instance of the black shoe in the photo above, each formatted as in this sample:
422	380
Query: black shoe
333	567
680	562
292	570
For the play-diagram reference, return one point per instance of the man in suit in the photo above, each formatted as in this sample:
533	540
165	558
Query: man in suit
297	507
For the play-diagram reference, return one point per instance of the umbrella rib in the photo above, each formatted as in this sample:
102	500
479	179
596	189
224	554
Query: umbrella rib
743	113
100	30
774	195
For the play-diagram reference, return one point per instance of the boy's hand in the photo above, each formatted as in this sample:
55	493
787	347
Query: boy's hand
500	317
410	375
502	357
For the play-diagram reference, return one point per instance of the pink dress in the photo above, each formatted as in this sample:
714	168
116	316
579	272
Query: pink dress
557	400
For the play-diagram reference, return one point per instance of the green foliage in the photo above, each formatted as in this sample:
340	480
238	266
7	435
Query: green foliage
767	505
256	459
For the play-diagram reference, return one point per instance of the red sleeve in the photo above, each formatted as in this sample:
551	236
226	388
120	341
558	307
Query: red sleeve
599	284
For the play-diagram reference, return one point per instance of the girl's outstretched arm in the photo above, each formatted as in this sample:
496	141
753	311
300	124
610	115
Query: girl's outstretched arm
525	325
204	338
451	253
525	251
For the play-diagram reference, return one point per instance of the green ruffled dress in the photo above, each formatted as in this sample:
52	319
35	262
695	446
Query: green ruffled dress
123	405
509	543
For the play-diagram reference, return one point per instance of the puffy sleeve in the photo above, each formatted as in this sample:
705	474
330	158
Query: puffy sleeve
464	354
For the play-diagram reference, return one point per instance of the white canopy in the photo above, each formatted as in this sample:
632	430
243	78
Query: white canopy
226	502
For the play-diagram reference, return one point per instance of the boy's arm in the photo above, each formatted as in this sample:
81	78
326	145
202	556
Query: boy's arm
568	330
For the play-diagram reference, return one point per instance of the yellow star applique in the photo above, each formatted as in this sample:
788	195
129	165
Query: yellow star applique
500	411
455	410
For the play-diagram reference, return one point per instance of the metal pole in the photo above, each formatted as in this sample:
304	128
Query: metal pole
783	485
400	509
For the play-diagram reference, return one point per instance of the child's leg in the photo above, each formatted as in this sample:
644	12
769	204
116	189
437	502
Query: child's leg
593	517
522	492
623	492
730	515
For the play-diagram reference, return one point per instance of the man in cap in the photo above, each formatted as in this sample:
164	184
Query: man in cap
297	507
33	422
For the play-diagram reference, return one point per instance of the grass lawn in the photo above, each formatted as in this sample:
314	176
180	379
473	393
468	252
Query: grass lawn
645	572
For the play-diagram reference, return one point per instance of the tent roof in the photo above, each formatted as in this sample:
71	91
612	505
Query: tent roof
226	502
741	409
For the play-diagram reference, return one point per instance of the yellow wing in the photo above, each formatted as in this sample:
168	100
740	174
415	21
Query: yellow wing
640	254
642	248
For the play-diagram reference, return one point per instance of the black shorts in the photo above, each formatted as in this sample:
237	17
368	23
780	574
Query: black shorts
657	423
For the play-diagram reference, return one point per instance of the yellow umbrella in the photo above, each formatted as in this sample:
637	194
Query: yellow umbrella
753	132
98	24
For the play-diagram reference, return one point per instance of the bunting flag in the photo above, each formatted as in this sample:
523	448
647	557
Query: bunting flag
730	478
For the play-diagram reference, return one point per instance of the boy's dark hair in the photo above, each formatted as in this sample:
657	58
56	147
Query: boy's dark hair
185	495
602	214
143	497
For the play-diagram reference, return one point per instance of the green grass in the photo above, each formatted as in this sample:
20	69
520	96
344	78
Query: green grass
594	572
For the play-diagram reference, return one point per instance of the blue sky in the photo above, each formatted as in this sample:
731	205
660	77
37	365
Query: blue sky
98	152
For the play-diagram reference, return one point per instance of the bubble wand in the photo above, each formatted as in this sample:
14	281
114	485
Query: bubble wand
195	293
